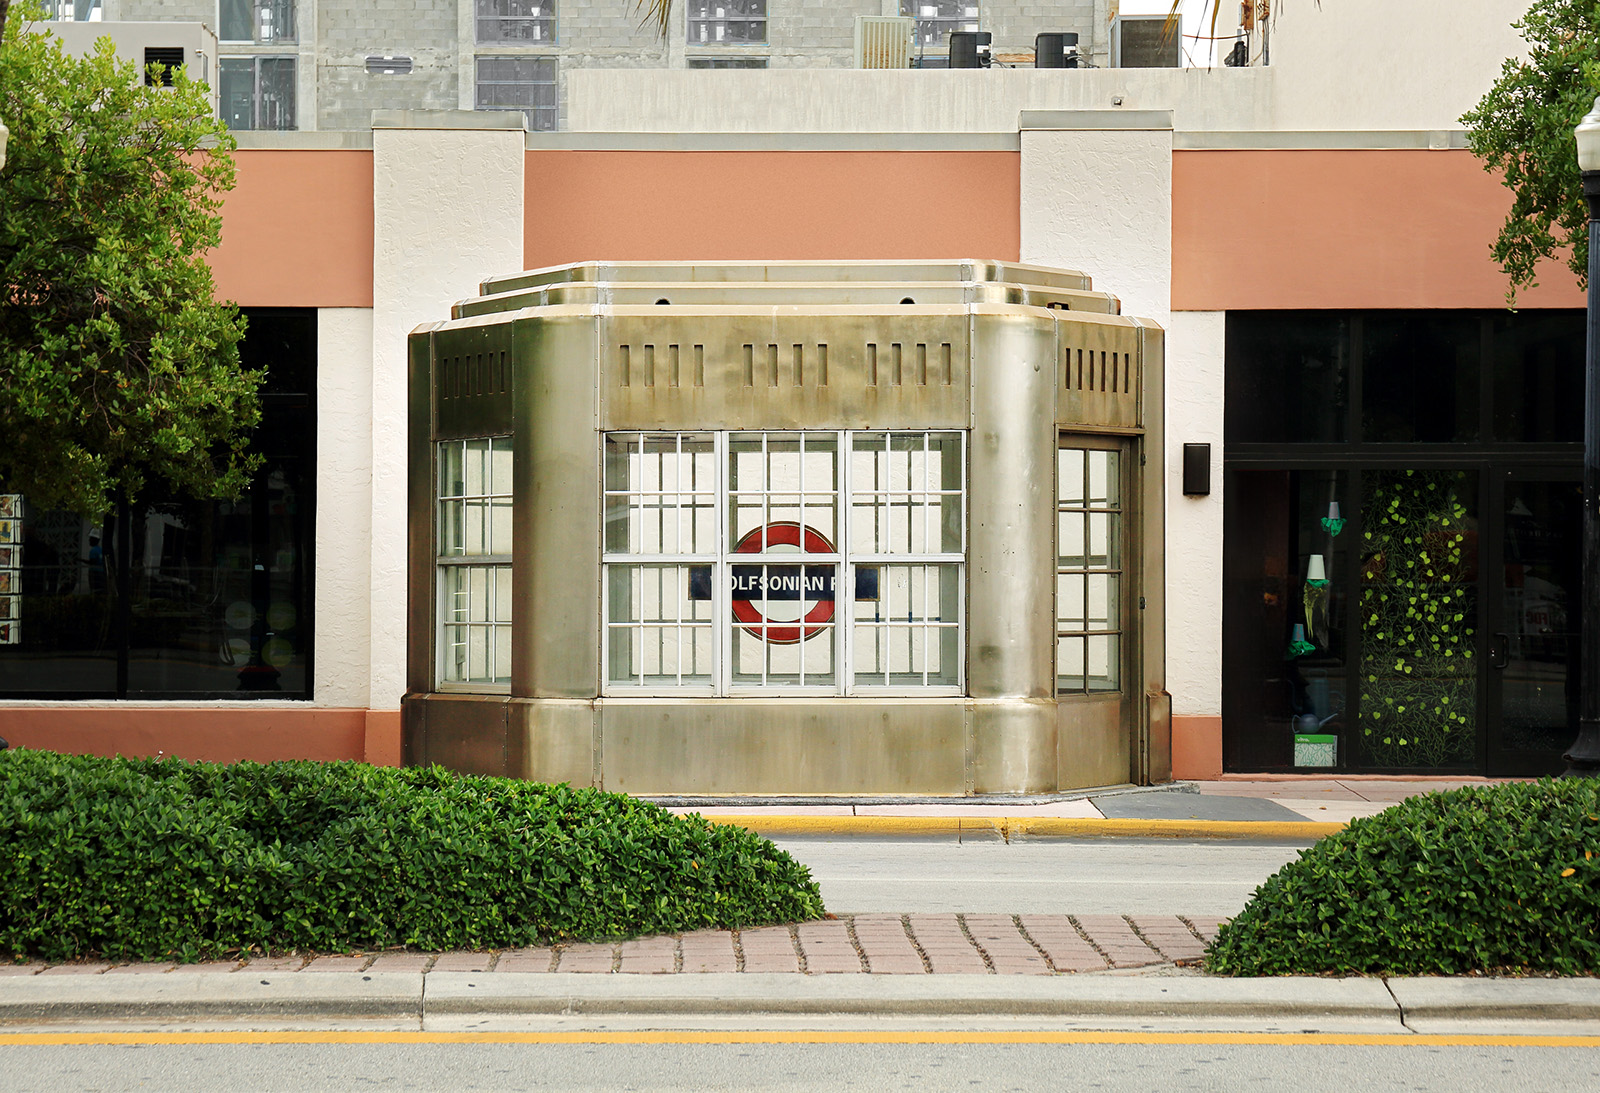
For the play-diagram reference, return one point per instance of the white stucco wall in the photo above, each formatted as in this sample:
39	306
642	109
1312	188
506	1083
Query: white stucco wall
1099	199
1377	64
344	507
1194	524
447	213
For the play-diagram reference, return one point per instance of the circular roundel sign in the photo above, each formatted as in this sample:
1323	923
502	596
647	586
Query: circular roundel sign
766	586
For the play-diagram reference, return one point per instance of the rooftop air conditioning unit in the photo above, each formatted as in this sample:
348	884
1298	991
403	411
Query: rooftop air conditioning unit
884	41
1144	41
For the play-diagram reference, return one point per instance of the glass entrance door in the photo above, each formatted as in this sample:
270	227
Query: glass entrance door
1534	619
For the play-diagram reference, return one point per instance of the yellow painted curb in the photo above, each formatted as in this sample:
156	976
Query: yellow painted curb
1009	827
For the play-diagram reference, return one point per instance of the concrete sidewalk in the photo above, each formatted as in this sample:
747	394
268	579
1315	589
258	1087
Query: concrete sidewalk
1287	808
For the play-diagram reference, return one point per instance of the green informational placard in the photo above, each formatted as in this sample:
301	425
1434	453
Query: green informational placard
1315	750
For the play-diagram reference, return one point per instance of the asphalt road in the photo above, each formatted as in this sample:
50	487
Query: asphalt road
1208	877
879	1067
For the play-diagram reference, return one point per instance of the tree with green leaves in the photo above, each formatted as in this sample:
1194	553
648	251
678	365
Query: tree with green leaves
119	372
1522	129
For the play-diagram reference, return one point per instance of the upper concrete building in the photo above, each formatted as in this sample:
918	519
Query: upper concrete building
328	64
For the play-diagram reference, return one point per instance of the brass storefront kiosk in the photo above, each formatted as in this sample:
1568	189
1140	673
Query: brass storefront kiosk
802	528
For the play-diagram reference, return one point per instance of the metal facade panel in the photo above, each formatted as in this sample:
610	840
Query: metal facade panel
551	740
1011	545
1093	747
1098	369
790	294
788	368
474	379
949	270
785	746
556	508
421	513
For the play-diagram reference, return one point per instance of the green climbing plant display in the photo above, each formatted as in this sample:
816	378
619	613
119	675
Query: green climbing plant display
1418	677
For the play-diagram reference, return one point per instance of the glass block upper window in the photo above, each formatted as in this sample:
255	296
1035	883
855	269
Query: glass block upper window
727	21
262	21
937	18
815	562
474	558
520	83
529	21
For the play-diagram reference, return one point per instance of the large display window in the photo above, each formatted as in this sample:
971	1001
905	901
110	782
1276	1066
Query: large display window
792	562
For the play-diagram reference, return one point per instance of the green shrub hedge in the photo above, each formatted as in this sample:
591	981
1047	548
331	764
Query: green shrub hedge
146	859
1487	878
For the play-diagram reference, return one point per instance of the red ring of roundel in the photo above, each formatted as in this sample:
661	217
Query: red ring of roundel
783	533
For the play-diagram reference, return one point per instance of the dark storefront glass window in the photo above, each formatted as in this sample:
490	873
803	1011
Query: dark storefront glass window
176	598
1399	456
1288	381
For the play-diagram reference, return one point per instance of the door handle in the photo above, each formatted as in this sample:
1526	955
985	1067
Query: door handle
1500	651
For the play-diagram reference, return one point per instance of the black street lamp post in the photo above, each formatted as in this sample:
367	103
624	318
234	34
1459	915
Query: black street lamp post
1583	757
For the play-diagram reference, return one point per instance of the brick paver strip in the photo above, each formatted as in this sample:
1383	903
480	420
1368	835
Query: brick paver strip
1062	943
1116	939
290	963
1206	926
1169	936
651	955
883	940
769	949
354	962
1009	951
399	962
708	951
536	959
475	962
587	957
828	948
21	969
75	969
946	947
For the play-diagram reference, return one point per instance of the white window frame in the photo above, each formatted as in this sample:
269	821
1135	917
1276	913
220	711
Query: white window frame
1117	574
497	565
847	561
691	20
551	113
927	25
256	60
255	38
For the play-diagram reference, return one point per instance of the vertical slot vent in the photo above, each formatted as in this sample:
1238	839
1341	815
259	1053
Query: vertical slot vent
822	364
895	363
626	363
1079	386
699	366
872	364
749	365
649	366
772	365
946	364
799	352
922	364
672	366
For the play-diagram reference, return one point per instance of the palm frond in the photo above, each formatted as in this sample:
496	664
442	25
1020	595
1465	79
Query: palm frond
658	12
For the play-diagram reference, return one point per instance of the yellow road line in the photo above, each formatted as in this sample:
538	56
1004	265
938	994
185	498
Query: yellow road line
1008	827
1036	1036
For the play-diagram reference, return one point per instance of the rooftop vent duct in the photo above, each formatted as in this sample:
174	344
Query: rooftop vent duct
168	57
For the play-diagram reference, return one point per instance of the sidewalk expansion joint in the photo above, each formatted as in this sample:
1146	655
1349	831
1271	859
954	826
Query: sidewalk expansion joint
1398	1005
1023	930
966	932
855	943
799	952
738	951
1089	941
911	936
677	954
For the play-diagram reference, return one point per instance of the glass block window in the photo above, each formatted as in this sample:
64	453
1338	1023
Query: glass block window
474	558
727	21
1089	531
779	562
257	92
263	21
937	18
529	21
520	83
